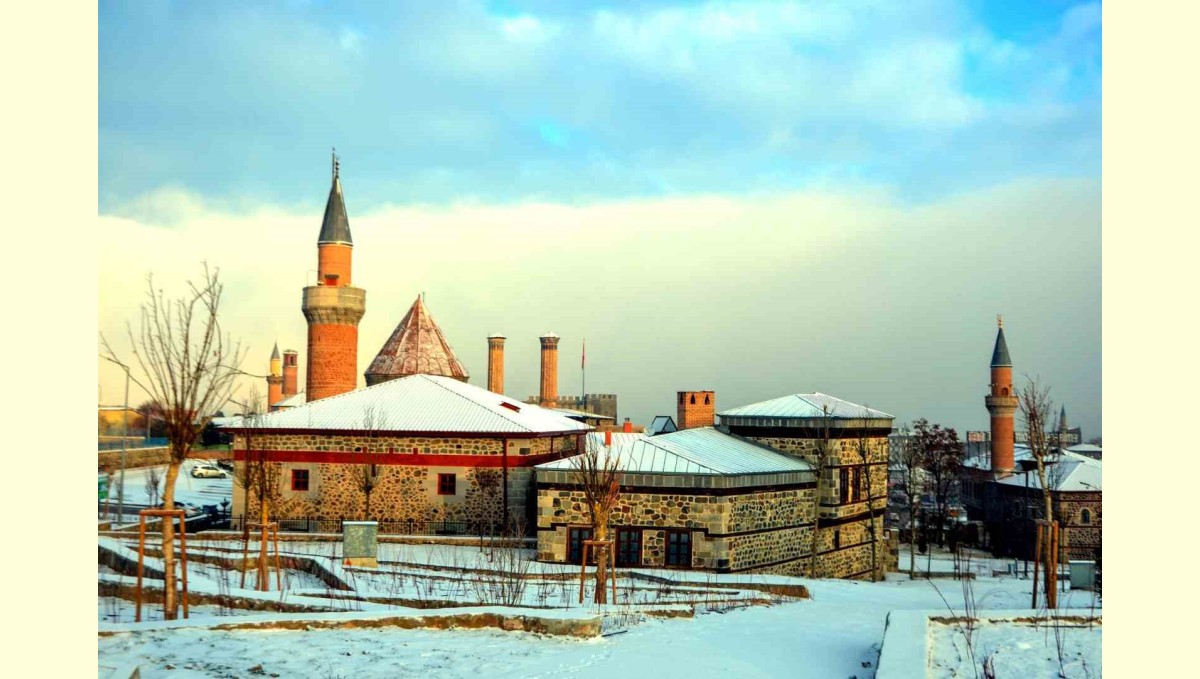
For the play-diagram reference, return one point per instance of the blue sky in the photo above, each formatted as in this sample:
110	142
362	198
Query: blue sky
757	197
439	102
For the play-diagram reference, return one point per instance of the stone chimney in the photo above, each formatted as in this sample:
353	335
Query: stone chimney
548	398
495	382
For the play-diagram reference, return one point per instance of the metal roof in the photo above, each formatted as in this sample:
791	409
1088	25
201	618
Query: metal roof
581	413
297	399
335	226
662	424
702	450
1000	357
416	346
618	437
806	406
1070	473
422	403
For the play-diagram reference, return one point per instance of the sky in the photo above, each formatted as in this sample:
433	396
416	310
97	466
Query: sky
753	198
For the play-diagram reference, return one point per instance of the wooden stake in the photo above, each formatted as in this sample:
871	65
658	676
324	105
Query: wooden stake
1037	552
141	556
183	562
245	550
583	570
1052	589
278	570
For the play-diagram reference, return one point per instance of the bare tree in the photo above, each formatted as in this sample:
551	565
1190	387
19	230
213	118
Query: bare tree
862	446
1035	405
189	367
941	456
153	479
368	478
823	448
598	473
906	454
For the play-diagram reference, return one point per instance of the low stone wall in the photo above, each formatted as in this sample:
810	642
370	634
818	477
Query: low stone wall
134	457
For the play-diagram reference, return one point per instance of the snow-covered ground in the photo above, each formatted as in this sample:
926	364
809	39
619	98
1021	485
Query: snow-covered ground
1015	650
203	491
835	634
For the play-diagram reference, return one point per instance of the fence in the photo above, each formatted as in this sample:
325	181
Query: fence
132	443
386	526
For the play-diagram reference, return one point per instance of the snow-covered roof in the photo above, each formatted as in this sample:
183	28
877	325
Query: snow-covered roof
291	401
618	437
422	403
662	424
806	406
1084	448
702	450
1071	473
580	413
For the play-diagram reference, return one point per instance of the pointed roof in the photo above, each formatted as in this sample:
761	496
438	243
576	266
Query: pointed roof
1000	357
335	227
1062	418
275	352
416	347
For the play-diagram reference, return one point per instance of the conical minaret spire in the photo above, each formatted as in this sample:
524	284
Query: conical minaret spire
335	227
1001	403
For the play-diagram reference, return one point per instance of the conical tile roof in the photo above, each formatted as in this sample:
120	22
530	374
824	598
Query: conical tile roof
416	347
335	227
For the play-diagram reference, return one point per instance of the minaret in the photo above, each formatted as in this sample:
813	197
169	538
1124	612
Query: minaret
275	379
548	396
290	369
332	307
495	381
1002	404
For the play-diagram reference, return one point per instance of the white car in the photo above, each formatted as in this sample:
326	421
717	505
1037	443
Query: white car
208	471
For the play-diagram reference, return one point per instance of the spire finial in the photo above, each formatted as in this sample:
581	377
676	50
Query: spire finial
335	162
999	321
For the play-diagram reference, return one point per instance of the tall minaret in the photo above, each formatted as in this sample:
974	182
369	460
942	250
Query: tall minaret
332	307
495	377
275	379
1002	404
548	395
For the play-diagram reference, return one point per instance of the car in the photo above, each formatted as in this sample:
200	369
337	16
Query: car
207	471
227	465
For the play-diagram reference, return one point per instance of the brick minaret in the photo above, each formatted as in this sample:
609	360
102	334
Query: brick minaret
496	363
548	397
290	370
1002	404
695	409
332	307
275	379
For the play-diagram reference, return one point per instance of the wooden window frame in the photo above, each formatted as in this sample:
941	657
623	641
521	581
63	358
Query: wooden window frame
685	533
637	536
583	533
297	476
441	483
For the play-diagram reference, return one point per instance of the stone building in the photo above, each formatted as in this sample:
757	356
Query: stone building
748	495
439	450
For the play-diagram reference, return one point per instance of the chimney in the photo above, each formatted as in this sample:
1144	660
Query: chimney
496	363
695	409
628	429
607	438
290	370
549	393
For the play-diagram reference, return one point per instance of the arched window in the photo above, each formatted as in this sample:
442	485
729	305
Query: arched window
1085	517
693	402
706	399
1004	391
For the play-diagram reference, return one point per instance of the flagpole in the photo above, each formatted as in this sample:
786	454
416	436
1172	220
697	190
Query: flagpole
583	370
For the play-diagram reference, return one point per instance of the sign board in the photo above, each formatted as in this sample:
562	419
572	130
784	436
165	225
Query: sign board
103	486
360	539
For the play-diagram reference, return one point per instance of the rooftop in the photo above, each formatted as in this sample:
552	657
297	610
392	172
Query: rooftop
416	347
810	407
1070	473
702	450
335	226
425	404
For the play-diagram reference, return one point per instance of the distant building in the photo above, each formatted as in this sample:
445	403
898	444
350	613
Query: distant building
662	424
999	484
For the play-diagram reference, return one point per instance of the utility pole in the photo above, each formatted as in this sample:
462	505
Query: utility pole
124	443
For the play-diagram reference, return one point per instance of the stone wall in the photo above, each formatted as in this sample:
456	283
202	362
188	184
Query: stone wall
134	457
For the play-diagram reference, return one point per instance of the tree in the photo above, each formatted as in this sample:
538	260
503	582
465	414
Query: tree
598	474
153	479
151	419
906	455
941	457
821	454
1035	405
189	366
862	446
368	478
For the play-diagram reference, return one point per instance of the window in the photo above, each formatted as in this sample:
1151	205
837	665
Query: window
510	406
679	548
706	399
693	400
844	485
629	547
446	484
837	539
523	451
575	538
1085	517
300	479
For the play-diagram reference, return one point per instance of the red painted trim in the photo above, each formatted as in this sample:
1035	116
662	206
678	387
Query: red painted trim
315	457
378	434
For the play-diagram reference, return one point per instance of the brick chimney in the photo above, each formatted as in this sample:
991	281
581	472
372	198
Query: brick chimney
628	428
695	409
495	381
290	371
548	397
607	438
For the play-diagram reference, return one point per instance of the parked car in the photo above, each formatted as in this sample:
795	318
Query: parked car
227	465
208	471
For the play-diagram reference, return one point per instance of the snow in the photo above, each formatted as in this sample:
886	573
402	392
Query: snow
203	491
1015	649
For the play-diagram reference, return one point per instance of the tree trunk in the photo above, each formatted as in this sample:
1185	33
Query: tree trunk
170	601
1050	582
264	575
601	554
912	539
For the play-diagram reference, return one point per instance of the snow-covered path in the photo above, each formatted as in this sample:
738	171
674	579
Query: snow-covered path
830	636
